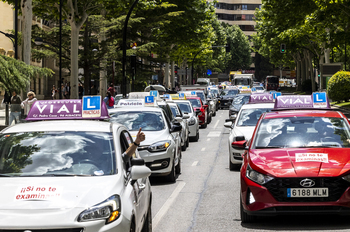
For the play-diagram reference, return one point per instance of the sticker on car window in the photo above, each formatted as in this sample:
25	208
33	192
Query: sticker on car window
311	157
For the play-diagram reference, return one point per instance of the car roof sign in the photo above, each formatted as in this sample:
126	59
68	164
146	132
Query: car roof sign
301	102
320	100
68	109
261	98
276	94
131	103
167	97
149	101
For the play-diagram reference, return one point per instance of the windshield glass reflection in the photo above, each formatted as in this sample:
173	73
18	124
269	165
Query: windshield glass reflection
303	132
249	117
57	153
148	121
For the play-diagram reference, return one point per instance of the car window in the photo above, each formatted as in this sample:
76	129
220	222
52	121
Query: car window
184	107
240	100
201	95
230	92
175	111
57	153
133	120
195	102
249	117
303	132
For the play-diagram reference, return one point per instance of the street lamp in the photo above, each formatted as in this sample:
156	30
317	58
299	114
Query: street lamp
124	46
39	41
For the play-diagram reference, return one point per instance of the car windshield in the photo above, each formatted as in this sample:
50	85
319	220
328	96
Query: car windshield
242	81
240	100
133	120
214	91
184	107
201	95
303	132
259	88
63	153
195	102
249	117
231	92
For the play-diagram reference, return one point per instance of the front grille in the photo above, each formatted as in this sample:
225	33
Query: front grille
47	230
223	103
278	188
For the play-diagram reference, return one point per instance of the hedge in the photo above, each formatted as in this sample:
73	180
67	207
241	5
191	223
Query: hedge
338	88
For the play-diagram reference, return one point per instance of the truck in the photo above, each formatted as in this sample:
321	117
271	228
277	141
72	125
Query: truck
243	79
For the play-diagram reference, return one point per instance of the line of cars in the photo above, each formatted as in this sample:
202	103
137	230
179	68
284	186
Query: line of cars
294	156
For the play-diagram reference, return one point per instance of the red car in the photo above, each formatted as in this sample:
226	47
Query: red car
198	105
297	162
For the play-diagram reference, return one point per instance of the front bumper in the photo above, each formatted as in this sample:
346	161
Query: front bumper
266	204
160	162
225	103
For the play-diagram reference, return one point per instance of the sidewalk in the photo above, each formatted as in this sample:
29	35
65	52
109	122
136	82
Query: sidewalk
2	116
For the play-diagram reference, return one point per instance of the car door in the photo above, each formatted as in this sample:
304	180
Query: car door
140	187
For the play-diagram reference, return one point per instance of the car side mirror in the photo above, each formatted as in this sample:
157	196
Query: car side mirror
138	172
186	116
176	128
228	124
137	162
178	119
198	111
206	106
239	145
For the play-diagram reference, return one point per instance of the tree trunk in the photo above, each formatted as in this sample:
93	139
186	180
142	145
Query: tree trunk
303	70
327	53
172	76
27	33
166	76
103	78
74	61
312	76
87	49
299	74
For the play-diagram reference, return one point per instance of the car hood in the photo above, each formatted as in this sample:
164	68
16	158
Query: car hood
45	193
283	163
152	136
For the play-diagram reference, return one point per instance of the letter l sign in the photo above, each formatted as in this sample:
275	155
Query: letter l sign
90	106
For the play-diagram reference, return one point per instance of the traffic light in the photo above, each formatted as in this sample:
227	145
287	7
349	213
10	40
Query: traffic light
283	48
228	48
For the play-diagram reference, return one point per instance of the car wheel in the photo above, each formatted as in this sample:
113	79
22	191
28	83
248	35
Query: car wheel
197	136
204	125
214	113
172	175
132	226
178	167
188	141
245	218
184	147
147	226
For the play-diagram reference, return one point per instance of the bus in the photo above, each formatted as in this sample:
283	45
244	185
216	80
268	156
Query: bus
243	80
272	83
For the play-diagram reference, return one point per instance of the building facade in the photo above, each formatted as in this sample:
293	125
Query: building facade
239	12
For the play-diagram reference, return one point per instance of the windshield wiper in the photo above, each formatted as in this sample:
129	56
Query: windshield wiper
53	174
267	147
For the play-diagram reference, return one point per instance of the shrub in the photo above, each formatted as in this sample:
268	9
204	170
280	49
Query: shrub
338	88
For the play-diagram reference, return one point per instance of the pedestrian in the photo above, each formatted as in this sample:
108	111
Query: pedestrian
27	104
81	91
15	108
63	91
93	90
109	100
7	98
111	89
68	90
54	92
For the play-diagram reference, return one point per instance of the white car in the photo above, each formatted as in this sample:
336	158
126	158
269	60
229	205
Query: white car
242	129
182	118
69	175
193	121
258	89
160	150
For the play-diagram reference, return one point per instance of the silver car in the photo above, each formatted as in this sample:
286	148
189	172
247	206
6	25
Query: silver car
180	117
193	121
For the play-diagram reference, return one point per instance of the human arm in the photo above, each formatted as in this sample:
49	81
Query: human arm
140	137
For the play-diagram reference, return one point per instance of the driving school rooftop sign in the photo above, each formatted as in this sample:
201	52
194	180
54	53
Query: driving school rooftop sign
88	108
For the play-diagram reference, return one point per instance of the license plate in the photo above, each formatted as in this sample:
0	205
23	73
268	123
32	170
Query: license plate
307	192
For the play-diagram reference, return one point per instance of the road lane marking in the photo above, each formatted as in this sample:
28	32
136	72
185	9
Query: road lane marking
216	124
167	204
203	149
214	134
195	163
208	139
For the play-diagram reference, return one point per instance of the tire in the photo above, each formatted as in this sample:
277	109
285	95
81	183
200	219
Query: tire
214	113
178	167
204	125
197	137
245	218
188	141
147	226
184	147
172	176
132	226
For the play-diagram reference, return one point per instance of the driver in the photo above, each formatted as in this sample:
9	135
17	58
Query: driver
151	121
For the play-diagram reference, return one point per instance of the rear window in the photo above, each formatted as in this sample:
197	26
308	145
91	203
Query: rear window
195	102
148	121
249	117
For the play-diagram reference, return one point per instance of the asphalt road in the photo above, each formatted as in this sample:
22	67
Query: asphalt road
205	196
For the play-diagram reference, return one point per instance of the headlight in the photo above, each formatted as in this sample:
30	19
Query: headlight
192	121
159	146
108	210
257	177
